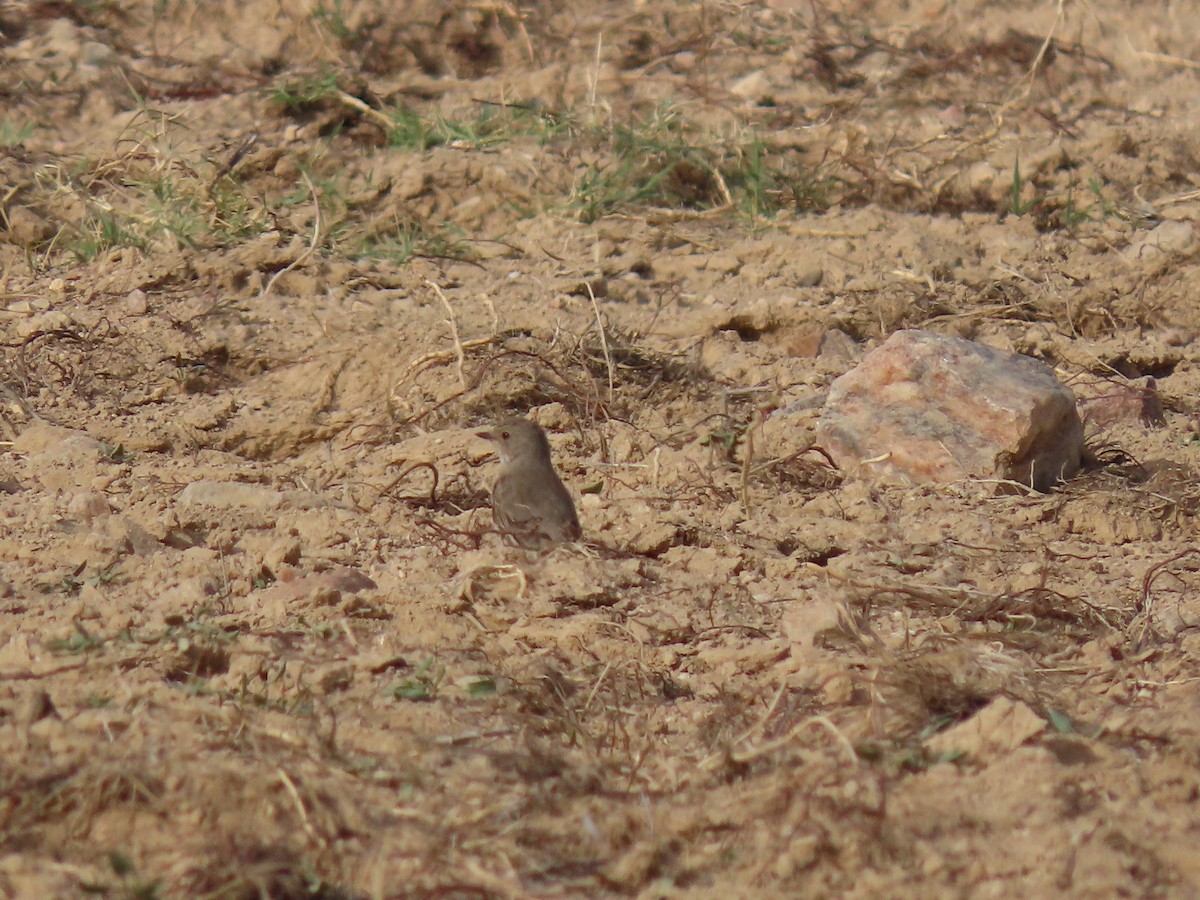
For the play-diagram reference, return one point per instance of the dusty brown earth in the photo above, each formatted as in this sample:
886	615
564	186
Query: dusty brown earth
267	266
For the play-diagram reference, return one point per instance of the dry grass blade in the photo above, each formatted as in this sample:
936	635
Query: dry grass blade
312	243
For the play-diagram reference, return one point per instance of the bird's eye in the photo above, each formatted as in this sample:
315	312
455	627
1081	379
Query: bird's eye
504	435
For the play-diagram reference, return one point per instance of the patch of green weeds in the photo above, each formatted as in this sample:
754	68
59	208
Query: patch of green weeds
663	160
164	202
1069	210
423	684
72	583
479	687
334	192
653	161
411	132
1074	212
116	453
1017	206
167	207
80	641
263	578
130	885
414	239
190	637
756	40
13	133
331	17
759	188
101	232
493	124
231	215
300	91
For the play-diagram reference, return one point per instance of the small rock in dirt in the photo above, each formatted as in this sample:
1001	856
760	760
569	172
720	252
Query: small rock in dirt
94	53
314	588
136	303
752	86
651	538
52	442
283	552
807	619
837	345
930	408
1168	239
88	505
997	729
826	343
809	275
806	343
25	228
45	323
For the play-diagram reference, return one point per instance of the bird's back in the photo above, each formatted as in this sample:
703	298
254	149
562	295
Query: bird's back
534	507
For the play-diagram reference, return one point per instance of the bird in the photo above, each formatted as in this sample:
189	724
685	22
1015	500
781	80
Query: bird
531	506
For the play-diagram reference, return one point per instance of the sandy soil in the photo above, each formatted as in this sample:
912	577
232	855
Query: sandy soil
267	266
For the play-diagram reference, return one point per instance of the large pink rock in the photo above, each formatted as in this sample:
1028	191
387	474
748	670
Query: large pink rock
925	407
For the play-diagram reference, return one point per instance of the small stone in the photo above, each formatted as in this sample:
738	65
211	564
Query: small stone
225	495
809	275
837	345
25	227
44	323
88	505
94	53
136	303
807	343
981	176
930	408
53	443
1168	239
284	552
995	731
753	86
651	538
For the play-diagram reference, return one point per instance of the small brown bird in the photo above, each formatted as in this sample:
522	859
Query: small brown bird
530	504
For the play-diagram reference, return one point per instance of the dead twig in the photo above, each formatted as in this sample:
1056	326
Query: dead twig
603	339
459	354
418	465
312	244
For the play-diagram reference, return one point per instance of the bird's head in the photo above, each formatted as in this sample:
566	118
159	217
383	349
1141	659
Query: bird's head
518	440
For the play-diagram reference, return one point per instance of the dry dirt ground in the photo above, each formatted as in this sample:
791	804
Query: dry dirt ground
267	266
